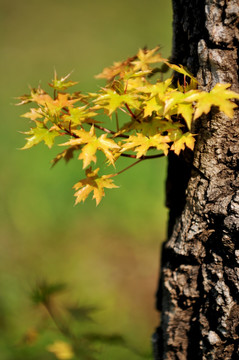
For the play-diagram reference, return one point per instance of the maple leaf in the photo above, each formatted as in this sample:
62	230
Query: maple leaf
38	134
151	105
92	145
186	110
94	183
184	71
79	115
117	69
66	154
186	139
146	57
156	89
173	98
141	143
33	114
110	100
157	125
219	96
62	84
51	106
62	350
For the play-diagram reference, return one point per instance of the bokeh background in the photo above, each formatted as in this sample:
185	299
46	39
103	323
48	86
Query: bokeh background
108	255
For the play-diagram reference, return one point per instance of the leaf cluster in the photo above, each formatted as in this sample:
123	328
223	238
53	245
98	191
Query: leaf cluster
160	116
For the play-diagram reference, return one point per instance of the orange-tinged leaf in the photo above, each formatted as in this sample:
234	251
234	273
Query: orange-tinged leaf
117	69
33	114
66	154
146	57
51	106
186	139
94	183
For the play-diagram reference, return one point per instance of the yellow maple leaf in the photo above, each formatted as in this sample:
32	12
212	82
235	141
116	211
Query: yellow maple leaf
153	105
79	115
186	139
141	143
94	183
92	144
110	100
182	70
186	110
61	349
146	57
219	96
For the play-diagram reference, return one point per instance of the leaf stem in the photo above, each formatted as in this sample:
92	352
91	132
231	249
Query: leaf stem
128	167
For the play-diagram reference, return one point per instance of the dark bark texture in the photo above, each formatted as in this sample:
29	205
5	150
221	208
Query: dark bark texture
198	295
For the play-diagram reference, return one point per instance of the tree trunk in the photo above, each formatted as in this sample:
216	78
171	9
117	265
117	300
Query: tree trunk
198	295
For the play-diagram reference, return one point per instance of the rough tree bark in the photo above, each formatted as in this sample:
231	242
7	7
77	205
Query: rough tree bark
198	295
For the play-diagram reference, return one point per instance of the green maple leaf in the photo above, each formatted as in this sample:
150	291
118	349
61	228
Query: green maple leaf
79	115
94	183
38	134
110	100
62	84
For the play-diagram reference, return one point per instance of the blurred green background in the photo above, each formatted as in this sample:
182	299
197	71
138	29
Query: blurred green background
107	255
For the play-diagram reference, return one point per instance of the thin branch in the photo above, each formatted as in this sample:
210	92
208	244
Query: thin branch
144	157
60	326
131	112
128	167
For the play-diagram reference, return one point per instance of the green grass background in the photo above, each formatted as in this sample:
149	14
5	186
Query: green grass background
107	255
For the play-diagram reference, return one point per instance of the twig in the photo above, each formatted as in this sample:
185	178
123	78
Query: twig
144	157
128	167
